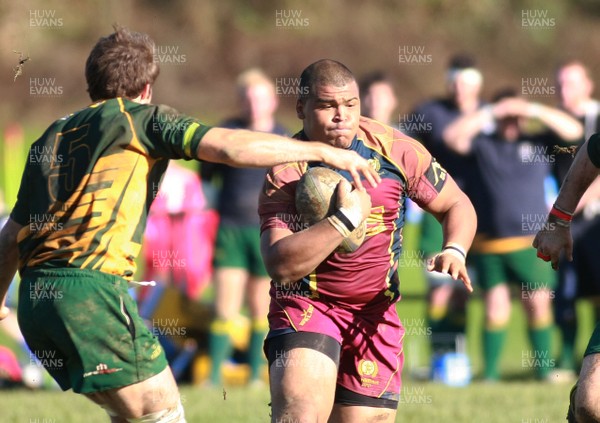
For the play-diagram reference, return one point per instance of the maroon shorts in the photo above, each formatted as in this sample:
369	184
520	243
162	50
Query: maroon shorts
371	355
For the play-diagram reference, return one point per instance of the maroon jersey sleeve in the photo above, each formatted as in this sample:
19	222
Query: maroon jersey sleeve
276	204
424	176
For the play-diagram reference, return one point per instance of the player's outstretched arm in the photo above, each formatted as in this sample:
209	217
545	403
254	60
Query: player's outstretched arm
555	238
459	222
9	256
244	148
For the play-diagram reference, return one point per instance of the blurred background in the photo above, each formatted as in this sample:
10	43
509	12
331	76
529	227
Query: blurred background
206	44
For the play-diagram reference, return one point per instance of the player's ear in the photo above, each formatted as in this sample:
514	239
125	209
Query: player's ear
300	109
147	93
145	96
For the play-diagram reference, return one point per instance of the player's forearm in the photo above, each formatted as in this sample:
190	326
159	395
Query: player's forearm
580	176
9	256
564	125
459	134
244	148
459	222
295	256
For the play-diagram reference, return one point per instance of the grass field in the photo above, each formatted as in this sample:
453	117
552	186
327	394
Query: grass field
420	402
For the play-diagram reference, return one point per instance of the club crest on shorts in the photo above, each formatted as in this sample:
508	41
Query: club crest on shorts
367	370
101	369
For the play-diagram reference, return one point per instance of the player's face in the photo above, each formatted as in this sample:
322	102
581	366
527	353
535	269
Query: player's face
575	87
380	102
465	86
330	114
509	128
259	102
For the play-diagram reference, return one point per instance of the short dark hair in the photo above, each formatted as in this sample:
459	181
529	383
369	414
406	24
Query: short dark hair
120	65
323	72
462	61
372	78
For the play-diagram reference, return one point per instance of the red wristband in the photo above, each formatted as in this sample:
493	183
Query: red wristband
561	214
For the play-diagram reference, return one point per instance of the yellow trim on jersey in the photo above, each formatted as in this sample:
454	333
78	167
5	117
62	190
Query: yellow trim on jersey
312	284
419	150
500	246
375	223
390	252
97	104
187	138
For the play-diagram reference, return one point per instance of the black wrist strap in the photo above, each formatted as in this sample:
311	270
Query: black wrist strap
451	247
344	219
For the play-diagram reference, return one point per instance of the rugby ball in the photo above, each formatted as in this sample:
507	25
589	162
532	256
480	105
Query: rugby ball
316	200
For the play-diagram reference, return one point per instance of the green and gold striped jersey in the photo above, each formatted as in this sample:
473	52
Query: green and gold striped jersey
90	179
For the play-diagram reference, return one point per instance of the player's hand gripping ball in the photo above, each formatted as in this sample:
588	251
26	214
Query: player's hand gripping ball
316	199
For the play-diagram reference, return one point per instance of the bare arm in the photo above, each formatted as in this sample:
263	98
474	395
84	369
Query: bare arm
555	238
454	211
9	256
243	148
563	124
580	176
290	256
460	133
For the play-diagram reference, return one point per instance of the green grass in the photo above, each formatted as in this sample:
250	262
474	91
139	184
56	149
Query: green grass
420	402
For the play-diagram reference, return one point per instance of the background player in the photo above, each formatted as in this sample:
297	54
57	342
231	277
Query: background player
555	241
427	123
239	268
377	97
510	164
78	222
335	340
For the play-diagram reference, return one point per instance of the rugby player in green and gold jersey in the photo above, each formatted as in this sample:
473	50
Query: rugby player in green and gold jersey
77	227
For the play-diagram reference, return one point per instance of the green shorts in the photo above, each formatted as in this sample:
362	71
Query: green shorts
594	344
520	267
239	247
432	236
84	328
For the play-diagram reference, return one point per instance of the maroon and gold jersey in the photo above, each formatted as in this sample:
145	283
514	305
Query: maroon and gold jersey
369	274
90	180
